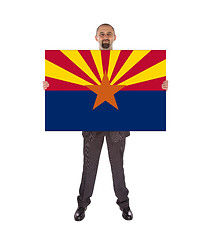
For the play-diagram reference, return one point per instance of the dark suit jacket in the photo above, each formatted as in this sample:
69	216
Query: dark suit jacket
115	135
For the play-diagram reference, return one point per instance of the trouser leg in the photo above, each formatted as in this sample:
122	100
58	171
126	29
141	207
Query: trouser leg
116	151
91	150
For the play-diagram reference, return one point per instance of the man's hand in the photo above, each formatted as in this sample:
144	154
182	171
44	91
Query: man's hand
165	85
45	85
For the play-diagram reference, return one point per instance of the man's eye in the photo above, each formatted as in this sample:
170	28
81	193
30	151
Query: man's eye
102	34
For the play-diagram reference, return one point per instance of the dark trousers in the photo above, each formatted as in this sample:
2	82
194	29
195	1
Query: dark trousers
92	150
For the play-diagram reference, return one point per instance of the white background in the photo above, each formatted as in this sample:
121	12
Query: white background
167	173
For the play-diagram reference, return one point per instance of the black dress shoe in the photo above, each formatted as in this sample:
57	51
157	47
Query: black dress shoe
127	213
80	213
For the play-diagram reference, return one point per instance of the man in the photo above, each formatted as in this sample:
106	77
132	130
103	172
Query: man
93	142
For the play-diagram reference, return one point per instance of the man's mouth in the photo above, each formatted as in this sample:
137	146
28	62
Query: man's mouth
105	43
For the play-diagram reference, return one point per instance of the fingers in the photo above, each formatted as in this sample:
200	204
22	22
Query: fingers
165	85
45	85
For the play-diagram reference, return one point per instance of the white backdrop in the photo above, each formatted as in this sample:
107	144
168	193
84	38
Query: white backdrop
167	173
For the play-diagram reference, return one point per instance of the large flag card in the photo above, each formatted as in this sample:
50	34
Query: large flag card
109	90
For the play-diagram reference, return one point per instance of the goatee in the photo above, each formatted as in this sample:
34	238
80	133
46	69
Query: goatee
105	45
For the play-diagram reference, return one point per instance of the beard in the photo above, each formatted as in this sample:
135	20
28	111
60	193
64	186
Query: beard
105	45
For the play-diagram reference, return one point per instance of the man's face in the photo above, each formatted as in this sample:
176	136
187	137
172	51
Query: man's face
105	36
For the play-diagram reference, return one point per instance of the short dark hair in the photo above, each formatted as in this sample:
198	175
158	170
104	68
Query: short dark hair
105	24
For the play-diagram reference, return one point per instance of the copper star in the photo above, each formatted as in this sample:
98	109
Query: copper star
105	92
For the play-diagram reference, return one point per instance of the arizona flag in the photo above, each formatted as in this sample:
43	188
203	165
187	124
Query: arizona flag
109	90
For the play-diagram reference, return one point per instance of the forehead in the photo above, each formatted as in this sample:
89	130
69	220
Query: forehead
105	29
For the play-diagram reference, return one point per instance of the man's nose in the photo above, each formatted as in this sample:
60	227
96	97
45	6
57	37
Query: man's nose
105	36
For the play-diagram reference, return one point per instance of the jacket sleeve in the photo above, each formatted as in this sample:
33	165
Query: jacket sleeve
89	135
125	133
118	136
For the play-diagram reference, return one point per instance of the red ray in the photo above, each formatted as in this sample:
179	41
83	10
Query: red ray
105	60
58	58
87	56
123	56
59	85
151	85
152	58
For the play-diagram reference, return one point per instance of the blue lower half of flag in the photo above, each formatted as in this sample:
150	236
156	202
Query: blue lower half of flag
73	111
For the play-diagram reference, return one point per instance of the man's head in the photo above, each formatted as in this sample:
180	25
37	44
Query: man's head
105	35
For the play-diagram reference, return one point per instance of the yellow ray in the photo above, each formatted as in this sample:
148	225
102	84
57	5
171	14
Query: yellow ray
96	54
156	71
76	57
114	54
54	71
134	57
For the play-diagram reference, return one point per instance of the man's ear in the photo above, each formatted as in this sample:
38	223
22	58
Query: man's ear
96	38
114	37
